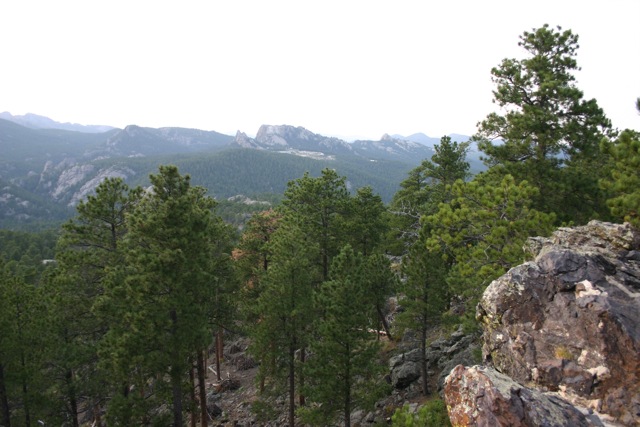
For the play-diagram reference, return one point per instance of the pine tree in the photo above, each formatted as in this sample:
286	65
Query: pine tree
549	134
321	206
424	296
23	344
252	260
165	292
286	312
366	225
343	370
88	249
381	283
427	186
482	231
623	182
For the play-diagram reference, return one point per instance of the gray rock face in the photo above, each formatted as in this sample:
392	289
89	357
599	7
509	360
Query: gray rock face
442	356
569	321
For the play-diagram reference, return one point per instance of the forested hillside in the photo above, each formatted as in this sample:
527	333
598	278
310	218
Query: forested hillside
48	171
148	279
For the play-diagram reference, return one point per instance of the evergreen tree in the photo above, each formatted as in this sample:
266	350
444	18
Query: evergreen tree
549	134
286	312
623	183
367	224
427	186
23	343
163	295
381	283
321	206
343	370
423	296
252	259
88	248
482	231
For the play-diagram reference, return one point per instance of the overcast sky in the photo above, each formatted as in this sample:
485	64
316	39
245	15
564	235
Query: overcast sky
345	68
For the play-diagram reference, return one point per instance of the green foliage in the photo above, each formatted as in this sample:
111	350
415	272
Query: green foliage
623	183
88	248
381	282
252	258
482	231
321	206
547	125
366	225
163	295
432	414
425	188
24	334
343	370
286	312
424	293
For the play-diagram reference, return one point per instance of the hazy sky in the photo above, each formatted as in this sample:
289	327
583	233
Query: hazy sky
345	68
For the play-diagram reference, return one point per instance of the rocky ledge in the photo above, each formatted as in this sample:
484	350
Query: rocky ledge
565	324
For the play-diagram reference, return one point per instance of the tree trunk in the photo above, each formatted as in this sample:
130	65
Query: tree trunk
202	373
301	398
25	392
73	403
97	417
219	349
192	395
383	320
5	411
176	386
292	385
347	395
423	361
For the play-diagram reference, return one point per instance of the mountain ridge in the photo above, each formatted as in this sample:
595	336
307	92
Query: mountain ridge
36	121
64	166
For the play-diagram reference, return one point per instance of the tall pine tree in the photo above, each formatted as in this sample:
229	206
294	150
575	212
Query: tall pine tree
549	134
164	293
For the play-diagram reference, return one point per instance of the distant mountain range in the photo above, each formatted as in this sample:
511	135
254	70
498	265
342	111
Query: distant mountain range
47	167
35	121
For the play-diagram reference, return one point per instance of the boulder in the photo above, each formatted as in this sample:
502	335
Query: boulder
482	397
569	321
441	355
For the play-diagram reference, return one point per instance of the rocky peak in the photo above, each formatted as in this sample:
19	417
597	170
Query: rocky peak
278	135
568	322
244	141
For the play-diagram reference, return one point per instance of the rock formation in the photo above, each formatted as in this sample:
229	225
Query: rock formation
569	321
482	396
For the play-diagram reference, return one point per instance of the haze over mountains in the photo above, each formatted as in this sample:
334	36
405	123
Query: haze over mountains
47	167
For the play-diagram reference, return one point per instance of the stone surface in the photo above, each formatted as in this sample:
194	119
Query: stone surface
441	355
570	320
482	397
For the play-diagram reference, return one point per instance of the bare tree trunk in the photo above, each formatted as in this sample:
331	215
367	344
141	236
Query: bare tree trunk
301	398
383	320
192	395
292	385
347	397
97	417
176	388
423	360
73	403
25	392
175	374
202	372
219	348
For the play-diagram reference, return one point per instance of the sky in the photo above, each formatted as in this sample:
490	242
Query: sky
347	68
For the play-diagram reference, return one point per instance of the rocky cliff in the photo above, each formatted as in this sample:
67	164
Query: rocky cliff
566	324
